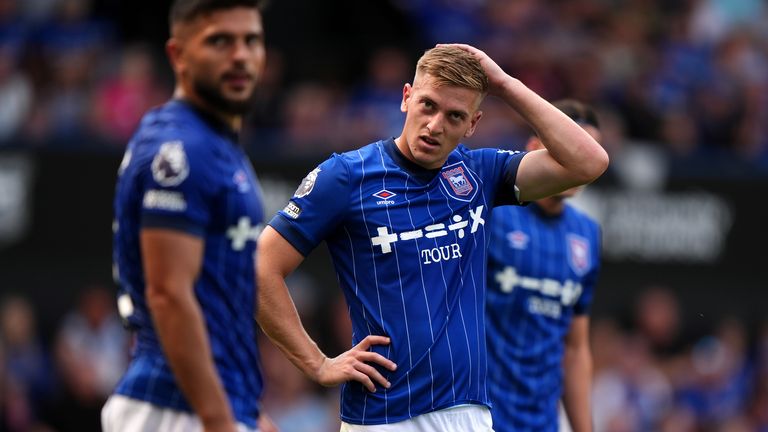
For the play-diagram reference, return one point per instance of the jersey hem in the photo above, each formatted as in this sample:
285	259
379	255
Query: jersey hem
248	421
391	420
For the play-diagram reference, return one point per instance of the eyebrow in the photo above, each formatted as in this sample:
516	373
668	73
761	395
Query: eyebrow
461	113
234	35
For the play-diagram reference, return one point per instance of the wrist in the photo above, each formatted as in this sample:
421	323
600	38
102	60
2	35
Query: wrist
316	367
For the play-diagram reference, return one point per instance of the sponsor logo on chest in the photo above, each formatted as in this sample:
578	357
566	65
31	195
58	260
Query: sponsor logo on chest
456	224
568	291
243	232
385	197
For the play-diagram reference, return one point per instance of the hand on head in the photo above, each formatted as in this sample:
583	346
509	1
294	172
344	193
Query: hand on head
496	75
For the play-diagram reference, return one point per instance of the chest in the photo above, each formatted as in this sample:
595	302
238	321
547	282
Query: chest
237	200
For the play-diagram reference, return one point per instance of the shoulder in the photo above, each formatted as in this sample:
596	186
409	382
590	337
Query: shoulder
485	157
365	152
483	152
173	147
171	129
354	161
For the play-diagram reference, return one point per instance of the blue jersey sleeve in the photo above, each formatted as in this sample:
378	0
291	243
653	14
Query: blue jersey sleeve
584	303
504	165
177	187
317	207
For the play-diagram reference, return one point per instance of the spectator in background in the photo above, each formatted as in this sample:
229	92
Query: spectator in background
64	61
73	29
631	393
294	403
657	320
121	99
16	93
371	110
92	339
264	131
28	377
310	119
91	354
720	377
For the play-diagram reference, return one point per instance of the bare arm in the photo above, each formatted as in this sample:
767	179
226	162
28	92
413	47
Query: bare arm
172	261
571	158
577	365
279	319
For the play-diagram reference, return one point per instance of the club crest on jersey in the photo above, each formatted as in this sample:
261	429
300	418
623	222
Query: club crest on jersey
384	197
517	240
578	254
307	184
241	180
458	182
170	167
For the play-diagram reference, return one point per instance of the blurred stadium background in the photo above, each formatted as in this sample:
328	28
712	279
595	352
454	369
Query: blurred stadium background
680	331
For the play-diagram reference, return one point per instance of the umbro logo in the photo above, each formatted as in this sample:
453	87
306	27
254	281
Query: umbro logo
384	197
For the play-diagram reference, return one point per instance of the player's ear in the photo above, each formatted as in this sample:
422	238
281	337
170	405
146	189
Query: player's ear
473	123
173	49
407	90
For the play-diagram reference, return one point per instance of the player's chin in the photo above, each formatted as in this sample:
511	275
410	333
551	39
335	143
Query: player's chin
238	99
428	160
237	93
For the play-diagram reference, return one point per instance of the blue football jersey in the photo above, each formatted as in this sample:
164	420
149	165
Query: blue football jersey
541	272
183	170
409	247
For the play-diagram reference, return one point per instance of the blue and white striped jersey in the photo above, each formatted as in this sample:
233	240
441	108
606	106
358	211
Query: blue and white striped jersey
541	272
408	245
183	170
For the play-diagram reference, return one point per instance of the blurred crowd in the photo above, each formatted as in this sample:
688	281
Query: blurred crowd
653	371
687	76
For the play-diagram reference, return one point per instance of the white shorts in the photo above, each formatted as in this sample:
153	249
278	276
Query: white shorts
460	418
123	414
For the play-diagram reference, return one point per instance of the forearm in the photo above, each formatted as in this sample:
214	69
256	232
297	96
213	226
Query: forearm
577	388
566	141
278	318
181	328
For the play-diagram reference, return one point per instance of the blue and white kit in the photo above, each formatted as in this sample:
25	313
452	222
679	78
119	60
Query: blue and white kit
183	170
542	271
409	248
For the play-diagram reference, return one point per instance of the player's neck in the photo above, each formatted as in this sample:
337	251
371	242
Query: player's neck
552	206
235	122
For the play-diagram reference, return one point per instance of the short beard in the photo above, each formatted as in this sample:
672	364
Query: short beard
214	99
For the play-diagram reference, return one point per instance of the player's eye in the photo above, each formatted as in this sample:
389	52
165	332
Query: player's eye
218	41
252	40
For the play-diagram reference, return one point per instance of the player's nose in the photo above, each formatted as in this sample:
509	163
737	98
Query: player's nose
434	125
241	51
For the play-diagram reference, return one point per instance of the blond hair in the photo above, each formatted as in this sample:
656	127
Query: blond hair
449	65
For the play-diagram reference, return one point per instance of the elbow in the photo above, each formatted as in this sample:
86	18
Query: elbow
160	298
596	166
